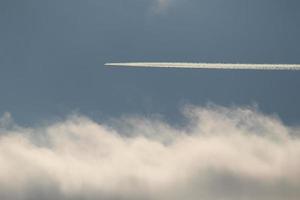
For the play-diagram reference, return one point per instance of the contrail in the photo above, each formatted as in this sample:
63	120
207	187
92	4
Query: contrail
209	65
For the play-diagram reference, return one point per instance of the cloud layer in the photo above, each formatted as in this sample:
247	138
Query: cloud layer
222	153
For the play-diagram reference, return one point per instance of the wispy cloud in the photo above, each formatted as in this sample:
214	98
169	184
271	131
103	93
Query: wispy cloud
209	65
223	153
162	4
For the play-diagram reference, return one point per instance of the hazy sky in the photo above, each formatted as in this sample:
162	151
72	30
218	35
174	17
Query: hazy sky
52	55
72	128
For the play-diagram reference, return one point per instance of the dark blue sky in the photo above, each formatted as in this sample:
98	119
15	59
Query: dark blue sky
52	55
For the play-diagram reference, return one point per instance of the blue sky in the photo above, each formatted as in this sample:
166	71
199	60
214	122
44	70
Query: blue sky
80	130
52	56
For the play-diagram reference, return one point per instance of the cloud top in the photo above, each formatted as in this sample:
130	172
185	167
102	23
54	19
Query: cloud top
223	153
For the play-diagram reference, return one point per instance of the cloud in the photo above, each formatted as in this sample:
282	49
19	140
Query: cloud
222	153
161	5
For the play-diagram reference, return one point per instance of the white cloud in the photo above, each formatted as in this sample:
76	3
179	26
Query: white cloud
223	153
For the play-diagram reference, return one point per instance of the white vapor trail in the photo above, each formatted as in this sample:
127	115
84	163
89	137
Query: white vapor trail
209	65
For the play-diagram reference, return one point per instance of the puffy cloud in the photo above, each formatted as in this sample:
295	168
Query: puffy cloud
222	153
